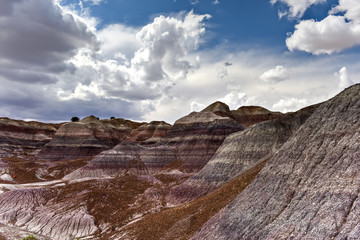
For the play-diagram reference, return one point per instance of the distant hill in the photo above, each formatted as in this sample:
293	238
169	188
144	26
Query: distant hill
247	173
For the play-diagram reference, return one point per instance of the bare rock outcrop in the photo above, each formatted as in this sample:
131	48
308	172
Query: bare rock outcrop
190	143
72	141
71	210
120	123
198	135
249	115
219	108
25	135
33	210
309	189
246	115
154	129
82	139
239	152
18	139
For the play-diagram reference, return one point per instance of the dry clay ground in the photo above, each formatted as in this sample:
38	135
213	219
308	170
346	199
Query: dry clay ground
129	206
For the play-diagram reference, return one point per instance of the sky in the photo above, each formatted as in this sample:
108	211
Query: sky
162	59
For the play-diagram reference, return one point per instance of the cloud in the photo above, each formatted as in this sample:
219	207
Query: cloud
154	72
345	80
194	2
37	37
94	2
215	2
118	42
297	8
275	75
159	62
234	99
166	42
290	104
34	102
196	107
351	9
134	67
332	34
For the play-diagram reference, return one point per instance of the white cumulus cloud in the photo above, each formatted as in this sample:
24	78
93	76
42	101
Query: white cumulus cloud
290	104
351	9
277	74
119	41
55	63
234	99
332	34
159	59
54	60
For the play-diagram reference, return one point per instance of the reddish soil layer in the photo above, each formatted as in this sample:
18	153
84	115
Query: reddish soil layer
23	168
183	221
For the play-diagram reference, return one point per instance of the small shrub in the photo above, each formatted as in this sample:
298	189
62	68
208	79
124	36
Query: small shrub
30	237
75	119
112	118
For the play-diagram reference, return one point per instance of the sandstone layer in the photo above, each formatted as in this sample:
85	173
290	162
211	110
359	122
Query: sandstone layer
249	115
246	115
309	189
82	139
240	152
293	177
153	129
190	143
25	135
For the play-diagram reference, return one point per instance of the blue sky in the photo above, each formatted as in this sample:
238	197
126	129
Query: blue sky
161	59
242	22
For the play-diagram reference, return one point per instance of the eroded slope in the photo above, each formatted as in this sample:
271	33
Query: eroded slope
240	152
309	189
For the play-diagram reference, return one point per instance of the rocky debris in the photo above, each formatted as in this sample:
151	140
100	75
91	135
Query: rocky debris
25	135
191	142
240	152
309	189
146	131
82	139
6	177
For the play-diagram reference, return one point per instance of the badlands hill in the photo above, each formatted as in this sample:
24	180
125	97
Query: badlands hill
247	173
